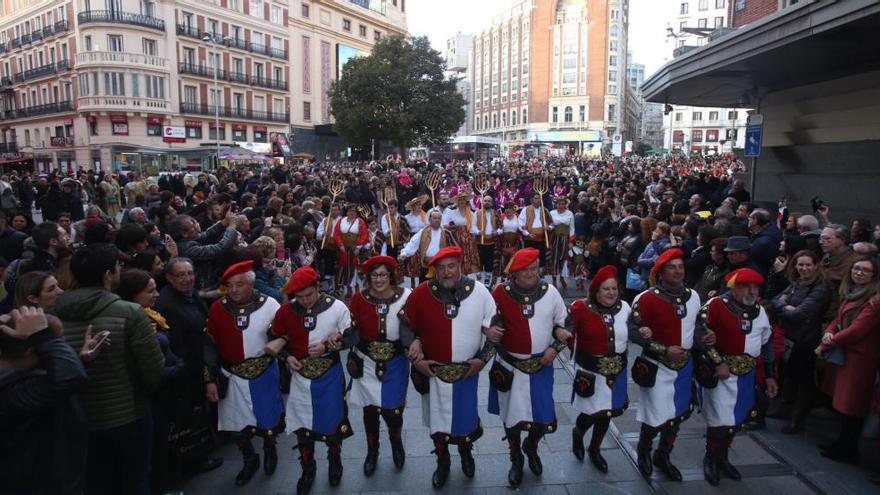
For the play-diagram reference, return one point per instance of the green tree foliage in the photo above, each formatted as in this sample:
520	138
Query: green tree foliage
397	93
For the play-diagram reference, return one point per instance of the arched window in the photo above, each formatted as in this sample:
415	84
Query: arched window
494	120
504	119
513	117
485	121
613	30
568	114
525	114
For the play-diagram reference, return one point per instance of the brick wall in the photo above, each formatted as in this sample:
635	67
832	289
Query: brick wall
753	11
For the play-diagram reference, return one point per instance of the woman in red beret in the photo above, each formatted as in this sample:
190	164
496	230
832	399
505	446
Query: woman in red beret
377	363
599	344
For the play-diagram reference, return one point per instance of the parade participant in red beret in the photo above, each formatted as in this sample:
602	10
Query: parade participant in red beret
241	376
599	323
662	323
351	236
450	315
309	337
742	334
378	366
533	316
424	245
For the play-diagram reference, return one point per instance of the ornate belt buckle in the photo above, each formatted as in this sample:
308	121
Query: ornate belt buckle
380	351
314	367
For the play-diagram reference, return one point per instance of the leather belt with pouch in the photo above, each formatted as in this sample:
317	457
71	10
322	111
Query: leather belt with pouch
675	364
315	367
608	366
500	377
704	371
644	372
584	384
250	368
739	364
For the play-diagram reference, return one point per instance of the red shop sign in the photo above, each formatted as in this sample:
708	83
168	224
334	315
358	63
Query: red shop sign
118	118
192	123
239	127
154	120
260	128
222	125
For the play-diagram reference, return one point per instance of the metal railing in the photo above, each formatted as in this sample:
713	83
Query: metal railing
122	103
239	44
60	141
120	18
234	113
36	110
102	57
9	147
44	70
230	76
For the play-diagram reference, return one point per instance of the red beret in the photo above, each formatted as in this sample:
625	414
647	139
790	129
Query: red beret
604	273
237	269
447	252
301	278
743	276
666	257
522	259
379	260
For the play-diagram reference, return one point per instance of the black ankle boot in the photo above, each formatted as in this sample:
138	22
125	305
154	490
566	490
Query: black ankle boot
442	471
334	455
309	468
577	443
530	448
468	466
515	475
270	458
643	450
372	454
251	465
661	455
710	469
398	453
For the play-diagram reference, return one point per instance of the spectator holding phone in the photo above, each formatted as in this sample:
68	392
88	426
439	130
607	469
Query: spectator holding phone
42	426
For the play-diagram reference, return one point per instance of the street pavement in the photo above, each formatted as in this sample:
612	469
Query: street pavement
770	462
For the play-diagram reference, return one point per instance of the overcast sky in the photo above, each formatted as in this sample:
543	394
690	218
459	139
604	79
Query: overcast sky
440	20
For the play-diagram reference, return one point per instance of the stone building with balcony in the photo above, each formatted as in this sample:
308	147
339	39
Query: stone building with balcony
148	85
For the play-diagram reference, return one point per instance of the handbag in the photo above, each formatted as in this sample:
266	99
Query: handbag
836	355
634	280
500	377
704	371
644	372
420	382
584	384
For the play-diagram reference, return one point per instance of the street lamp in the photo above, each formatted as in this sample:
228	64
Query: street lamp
213	39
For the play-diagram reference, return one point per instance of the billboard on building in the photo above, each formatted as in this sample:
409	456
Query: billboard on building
344	53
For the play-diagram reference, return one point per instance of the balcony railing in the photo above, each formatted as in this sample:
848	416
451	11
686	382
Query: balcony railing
233	77
60	141
45	70
5	82
234	113
8	147
121	58
88	103
239	44
121	18
37	110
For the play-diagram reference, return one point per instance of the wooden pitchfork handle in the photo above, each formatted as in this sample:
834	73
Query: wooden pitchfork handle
540	187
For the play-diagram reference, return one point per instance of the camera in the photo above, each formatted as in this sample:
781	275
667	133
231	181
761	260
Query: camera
816	203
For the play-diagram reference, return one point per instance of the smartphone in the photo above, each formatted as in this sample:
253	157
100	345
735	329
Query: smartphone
103	339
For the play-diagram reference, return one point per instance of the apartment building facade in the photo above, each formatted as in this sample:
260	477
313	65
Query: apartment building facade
145	85
553	74
700	129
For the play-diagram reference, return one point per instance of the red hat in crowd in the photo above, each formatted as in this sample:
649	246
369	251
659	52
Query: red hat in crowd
604	273
301	278
743	276
666	257
379	260
447	252
237	269
522	259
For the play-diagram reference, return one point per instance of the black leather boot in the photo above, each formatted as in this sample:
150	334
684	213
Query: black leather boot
468	465
309	468
372	453
577	443
727	468
714	445
398	453
710	469
595	449
442	471
270	456
515	475
661	455
530	448
643	450
334	472
251	462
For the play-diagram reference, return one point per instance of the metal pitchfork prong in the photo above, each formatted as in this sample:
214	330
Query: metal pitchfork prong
481	185
384	197
432	181
336	187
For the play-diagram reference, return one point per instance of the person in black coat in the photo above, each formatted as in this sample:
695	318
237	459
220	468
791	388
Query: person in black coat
43	433
798	309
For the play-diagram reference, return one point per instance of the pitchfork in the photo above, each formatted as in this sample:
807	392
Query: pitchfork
432	181
539	185
385	196
336	187
482	185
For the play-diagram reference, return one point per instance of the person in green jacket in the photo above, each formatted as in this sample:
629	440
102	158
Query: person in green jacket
116	395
